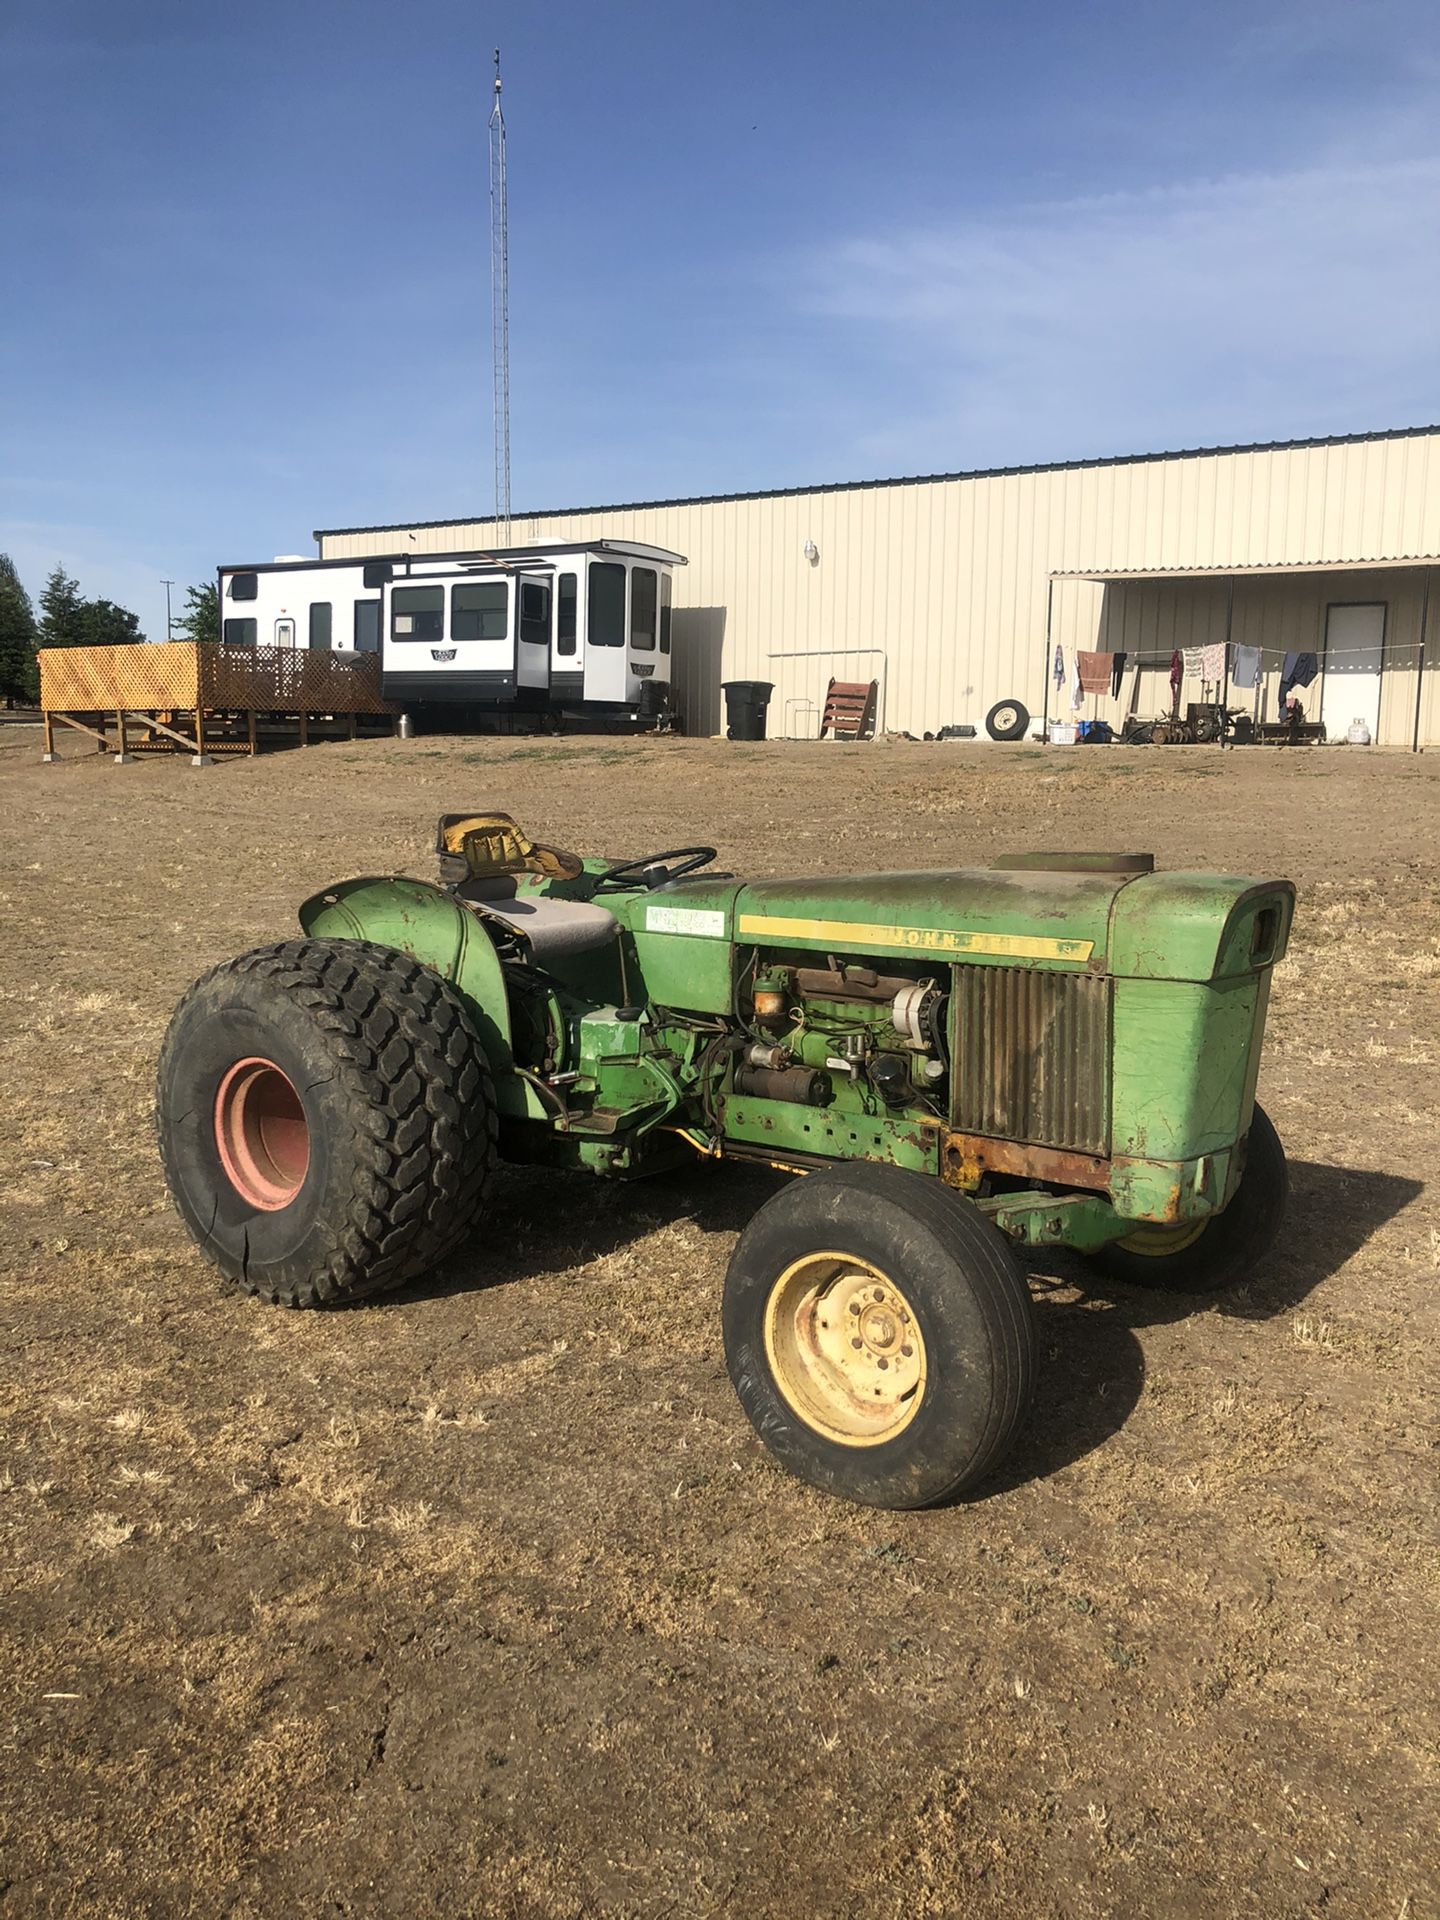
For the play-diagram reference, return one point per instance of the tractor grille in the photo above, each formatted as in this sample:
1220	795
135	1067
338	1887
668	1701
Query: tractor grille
1032	1057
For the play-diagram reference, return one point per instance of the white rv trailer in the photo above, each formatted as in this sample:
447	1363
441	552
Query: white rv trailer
582	628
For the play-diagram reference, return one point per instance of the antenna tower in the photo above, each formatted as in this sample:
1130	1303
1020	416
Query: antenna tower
500	308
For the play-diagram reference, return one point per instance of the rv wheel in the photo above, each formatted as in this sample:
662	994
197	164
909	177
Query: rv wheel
878	1332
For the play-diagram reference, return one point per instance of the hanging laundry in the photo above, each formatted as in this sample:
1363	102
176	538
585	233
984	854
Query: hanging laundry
1117	669
1094	672
1195	663
1077	690
1177	673
1059	664
1299	670
1246	671
1213	662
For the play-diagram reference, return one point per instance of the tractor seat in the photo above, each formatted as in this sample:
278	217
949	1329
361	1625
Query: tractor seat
553	928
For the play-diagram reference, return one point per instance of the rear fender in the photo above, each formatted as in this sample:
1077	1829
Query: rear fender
421	920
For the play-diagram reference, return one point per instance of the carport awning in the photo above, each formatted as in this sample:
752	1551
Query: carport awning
1106	574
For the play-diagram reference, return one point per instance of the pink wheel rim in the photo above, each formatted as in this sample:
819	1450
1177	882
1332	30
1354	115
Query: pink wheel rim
261	1134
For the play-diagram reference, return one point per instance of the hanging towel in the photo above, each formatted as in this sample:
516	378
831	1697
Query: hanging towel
1059	665
1299	670
1177	671
1077	689
1213	662
1117	669
1094	672
1247	667
1195	663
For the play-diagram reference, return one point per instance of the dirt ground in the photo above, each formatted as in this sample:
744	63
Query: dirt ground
484	1600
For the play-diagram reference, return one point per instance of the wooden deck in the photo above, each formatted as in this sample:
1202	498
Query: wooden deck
206	697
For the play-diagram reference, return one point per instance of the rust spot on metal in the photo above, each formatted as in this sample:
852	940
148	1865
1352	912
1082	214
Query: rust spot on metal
967	1157
1170	1209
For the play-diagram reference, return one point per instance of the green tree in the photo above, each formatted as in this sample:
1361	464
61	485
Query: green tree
19	676
60	605
201	618
100	623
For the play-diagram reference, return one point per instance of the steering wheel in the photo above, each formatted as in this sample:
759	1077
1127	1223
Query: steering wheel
690	859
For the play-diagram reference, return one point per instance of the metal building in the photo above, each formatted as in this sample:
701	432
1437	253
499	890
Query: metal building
953	590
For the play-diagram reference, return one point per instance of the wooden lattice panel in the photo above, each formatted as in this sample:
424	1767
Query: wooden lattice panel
184	675
290	680
104	679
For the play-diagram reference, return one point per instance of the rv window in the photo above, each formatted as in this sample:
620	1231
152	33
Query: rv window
241	633
244	586
417	613
607	605
565	603
642	610
367	626
665	585
535	613
320	624
479	612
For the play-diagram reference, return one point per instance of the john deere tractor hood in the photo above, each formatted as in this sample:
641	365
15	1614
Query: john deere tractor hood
1195	926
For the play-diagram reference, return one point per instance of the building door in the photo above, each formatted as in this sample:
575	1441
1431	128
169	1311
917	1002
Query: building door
1354	658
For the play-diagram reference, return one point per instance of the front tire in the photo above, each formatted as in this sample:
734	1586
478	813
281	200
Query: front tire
326	1119
879	1334
1222	1249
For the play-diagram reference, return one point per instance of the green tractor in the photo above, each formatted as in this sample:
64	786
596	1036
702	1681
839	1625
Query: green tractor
1056	1050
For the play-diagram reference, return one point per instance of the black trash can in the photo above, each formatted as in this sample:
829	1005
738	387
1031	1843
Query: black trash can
746	704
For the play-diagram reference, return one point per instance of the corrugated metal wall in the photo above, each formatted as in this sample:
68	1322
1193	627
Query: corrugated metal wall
939	588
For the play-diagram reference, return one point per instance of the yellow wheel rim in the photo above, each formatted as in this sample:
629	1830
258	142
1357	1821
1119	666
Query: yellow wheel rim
1156	1242
844	1348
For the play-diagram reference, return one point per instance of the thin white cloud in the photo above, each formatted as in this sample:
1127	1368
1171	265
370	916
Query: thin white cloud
1245	305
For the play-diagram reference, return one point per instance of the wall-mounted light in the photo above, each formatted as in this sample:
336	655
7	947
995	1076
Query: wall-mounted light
812	553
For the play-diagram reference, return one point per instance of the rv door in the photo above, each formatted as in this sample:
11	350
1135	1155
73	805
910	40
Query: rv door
607	679
532	654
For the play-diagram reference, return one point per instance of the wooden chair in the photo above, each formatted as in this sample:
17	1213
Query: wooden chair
850	709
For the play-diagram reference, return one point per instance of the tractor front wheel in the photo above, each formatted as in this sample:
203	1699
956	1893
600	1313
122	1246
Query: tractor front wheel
1222	1249
879	1334
326	1119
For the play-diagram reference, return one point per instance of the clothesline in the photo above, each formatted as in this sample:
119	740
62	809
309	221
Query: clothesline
1134	657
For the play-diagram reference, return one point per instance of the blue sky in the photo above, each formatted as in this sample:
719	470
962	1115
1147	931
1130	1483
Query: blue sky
246	288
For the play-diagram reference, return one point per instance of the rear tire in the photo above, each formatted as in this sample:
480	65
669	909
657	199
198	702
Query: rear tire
1228	1245
326	1119
879	1335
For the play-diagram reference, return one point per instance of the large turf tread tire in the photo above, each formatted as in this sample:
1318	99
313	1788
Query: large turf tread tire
968	1294
1234	1242
399	1104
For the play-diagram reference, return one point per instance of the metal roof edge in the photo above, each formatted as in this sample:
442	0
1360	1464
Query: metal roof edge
902	480
1221	570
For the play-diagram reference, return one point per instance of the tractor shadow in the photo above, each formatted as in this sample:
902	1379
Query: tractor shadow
1092	1364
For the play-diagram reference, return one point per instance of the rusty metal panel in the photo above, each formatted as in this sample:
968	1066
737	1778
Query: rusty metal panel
1032	1056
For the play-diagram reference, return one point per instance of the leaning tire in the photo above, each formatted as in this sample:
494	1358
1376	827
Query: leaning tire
326	1119
1227	1246
1007	720
931	1398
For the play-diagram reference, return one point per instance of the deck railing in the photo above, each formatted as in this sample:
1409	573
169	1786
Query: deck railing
204	676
